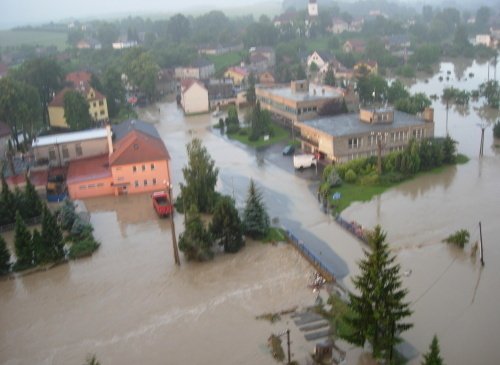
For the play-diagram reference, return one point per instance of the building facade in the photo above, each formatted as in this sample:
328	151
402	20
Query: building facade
349	136
194	97
199	70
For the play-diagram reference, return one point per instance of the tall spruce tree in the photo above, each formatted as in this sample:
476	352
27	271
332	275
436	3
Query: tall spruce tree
52	236
41	252
195	241
7	204
330	76
226	226
4	257
200	176
255	218
31	201
379	311
23	245
433	357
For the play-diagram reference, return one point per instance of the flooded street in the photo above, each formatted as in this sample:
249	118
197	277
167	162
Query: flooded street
130	304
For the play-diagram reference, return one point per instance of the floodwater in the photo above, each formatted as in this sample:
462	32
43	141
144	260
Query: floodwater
129	303
451	294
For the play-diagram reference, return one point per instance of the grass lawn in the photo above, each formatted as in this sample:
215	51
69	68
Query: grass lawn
10	38
280	134
320	44
275	235
221	62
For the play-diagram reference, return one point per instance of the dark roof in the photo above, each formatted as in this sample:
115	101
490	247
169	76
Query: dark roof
122	129
350	124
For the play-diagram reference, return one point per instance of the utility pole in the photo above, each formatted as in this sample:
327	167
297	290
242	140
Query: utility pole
288	344
481	243
481	147
174	237
447	108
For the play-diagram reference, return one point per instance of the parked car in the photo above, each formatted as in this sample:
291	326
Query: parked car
288	150
161	203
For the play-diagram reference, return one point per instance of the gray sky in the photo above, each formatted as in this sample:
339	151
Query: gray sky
23	12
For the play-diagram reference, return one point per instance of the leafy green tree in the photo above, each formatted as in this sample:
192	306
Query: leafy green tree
378	309
232	120
107	33
113	89
226	226
46	76
433	357
4	257
178	28
491	91
460	238
200	176
396	92
66	215
8	204
23	245
142	71
76	110
449	150
330	76
25	116
74	36
196	241
251	97
41	254
52	236
372	88
496	130
483	15
255	218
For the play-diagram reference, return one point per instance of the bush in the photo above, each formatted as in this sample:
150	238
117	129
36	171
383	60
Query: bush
370	179
350	176
83	247
459	238
81	228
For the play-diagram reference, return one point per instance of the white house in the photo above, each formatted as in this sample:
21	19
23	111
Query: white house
199	70
319	58
484	39
338	26
194	97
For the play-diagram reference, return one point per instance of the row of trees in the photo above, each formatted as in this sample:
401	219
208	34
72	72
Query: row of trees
226	227
27	203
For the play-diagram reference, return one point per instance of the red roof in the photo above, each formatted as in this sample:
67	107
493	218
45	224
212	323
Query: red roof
59	98
79	78
187	83
92	168
137	147
37	178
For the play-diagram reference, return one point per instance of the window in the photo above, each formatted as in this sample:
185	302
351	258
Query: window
78	149
65	152
354	143
143	167
52	154
102	112
136	183
101	103
94	104
145	182
134	168
152	166
154	181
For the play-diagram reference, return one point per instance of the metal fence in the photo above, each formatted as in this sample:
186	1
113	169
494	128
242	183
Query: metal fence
355	229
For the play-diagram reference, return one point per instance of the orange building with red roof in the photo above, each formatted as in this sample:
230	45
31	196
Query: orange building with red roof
138	162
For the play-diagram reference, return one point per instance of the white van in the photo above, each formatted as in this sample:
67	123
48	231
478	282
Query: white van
304	161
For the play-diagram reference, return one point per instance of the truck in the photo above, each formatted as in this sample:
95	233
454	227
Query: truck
161	203
304	161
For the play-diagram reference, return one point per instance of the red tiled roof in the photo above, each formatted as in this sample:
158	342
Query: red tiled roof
92	168
4	129
239	70
59	98
138	147
37	178
187	83
79	77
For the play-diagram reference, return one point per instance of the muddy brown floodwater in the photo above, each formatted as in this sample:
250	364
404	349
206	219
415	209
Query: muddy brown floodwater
130	304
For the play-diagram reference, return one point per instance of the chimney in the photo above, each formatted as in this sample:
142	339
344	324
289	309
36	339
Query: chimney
110	140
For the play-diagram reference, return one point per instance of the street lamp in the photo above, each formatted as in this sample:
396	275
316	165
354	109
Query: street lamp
174	238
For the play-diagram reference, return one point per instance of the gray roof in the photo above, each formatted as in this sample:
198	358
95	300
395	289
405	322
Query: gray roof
69	137
285	91
122	129
350	124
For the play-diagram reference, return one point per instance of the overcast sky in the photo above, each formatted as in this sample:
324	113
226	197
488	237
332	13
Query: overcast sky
23	12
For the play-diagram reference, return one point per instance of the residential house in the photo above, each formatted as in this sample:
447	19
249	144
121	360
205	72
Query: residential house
345	137
258	63
88	44
297	101
397	42
165	83
267	52
220	92
123	44
338	26
98	106
219	49
356	25
239	75
194	97
319	58
354	46
201	69
58	150
78	78
364	68
266	78
485	40
339	70
137	162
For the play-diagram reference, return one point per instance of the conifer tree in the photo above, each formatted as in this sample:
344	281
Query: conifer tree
379	310
52	236
4	257
41	252
433	357
7	204
23	245
226	227
330	76
32	201
195	241
255	218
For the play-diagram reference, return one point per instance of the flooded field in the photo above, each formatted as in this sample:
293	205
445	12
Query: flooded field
129	303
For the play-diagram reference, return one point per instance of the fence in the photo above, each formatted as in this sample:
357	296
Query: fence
354	228
310	256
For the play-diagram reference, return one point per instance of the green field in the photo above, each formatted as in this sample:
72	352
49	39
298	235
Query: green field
221	62
280	134
10	38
